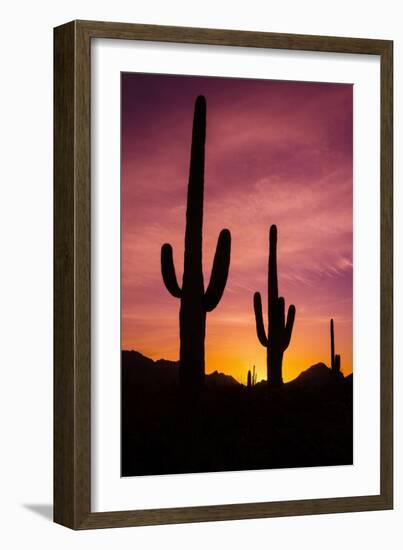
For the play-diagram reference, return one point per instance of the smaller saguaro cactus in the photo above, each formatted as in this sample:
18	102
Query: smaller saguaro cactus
279	330
253	376
249	383
335	360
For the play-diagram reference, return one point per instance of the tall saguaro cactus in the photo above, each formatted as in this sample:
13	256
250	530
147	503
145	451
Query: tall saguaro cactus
334	359
195	301
279	330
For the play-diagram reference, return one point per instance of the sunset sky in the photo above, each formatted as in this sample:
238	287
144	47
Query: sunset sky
276	152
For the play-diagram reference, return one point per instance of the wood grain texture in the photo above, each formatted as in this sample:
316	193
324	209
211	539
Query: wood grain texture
64	380
386	282
72	268
72	297
220	37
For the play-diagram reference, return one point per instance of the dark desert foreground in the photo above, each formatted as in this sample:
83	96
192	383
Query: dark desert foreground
305	422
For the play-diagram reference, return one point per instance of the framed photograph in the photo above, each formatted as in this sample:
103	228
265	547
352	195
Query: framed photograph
222	275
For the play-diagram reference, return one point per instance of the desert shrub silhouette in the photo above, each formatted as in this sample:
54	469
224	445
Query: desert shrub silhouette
279	330
195	300
251	378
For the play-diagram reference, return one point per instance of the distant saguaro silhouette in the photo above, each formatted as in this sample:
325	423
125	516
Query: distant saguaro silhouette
279	330
195	301
249	382
335	360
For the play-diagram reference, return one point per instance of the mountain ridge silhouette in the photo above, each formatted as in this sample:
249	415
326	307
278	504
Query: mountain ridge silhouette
316	374
306	422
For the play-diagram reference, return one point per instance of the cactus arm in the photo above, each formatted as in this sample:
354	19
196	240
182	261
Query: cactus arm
280	307
219	272
289	326
168	271
260	331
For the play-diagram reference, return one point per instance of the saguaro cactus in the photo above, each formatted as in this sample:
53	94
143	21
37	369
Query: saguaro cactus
249	382
195	301
279	330
335	360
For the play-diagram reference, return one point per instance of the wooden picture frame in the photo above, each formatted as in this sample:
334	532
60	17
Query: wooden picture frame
72	269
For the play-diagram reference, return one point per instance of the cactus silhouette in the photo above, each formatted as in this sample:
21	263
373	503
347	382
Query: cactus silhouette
335	360
279	330
249	383
195	301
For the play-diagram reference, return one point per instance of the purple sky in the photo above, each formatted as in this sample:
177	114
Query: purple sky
276	152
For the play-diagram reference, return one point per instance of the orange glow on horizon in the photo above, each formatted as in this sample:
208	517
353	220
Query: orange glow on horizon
234	352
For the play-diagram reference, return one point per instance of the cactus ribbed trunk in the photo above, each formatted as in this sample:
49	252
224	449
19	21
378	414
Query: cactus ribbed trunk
195	301
274	350
274	366
335	360
192	321
192	315
332	359
279	330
